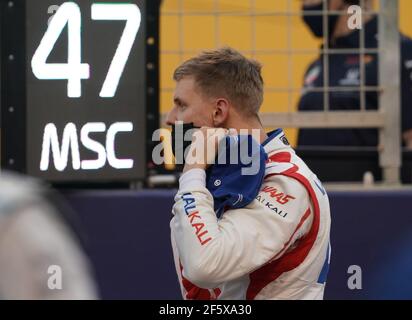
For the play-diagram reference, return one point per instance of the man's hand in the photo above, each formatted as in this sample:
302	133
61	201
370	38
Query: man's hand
203	149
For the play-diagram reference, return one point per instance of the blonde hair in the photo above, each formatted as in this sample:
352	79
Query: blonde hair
227	73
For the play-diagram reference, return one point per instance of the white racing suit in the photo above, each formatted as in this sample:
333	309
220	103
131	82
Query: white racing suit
277	247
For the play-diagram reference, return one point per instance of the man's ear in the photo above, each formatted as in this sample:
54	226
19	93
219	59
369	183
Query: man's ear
221	112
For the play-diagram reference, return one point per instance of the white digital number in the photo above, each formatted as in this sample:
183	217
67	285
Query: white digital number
130	13
74	71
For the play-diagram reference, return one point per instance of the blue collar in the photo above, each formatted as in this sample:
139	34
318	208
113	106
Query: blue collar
271	135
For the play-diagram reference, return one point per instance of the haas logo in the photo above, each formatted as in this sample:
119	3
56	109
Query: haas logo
279	196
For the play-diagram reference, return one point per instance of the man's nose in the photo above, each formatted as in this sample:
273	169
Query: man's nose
171	117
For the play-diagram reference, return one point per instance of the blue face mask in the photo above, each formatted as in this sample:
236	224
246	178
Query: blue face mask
236	185
315	22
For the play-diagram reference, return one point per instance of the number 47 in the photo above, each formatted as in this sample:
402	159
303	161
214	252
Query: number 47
74	71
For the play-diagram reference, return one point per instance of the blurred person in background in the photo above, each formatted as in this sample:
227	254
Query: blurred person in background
344	71
40	255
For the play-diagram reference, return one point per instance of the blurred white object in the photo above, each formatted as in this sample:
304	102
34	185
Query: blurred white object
34	239
368	179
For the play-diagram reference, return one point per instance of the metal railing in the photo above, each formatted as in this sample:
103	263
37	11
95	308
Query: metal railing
386	118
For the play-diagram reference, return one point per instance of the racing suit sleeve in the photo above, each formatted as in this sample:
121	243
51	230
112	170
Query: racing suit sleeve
213	251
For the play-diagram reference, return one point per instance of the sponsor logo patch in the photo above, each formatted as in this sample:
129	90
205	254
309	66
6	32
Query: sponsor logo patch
279	196
195	219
